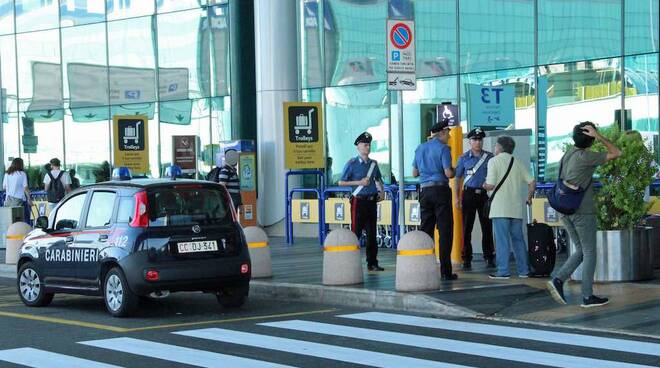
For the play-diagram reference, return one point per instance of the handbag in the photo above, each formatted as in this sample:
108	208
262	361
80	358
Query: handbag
563	198
489	202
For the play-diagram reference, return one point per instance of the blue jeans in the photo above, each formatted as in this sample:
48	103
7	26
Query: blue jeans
508	234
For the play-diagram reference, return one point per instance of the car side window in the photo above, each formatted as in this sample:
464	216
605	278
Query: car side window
68	214
100	209
126	209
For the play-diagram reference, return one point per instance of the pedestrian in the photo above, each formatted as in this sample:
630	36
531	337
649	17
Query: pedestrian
578	166
471	197
15	185
227	175
56	183
432	164
507	207
363	174
75	182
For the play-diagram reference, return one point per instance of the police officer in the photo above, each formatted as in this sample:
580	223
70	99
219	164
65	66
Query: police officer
432	164
363	174
471	172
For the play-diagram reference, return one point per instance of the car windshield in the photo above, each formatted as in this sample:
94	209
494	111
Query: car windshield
187	206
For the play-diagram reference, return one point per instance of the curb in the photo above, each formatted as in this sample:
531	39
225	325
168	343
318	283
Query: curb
359	298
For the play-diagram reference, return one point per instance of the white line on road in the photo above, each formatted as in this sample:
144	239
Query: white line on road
36	358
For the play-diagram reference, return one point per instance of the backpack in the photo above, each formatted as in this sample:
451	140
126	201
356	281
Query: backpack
56	188
213	175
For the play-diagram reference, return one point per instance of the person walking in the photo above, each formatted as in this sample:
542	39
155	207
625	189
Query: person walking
362	173
432	164
56	183
506	178
578	166
471	197
75	182
15	185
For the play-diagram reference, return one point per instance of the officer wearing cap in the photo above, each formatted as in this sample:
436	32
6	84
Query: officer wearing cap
363	174
471	170
432	164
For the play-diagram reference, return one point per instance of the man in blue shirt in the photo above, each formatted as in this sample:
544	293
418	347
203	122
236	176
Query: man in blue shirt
363	174
471	170
432	164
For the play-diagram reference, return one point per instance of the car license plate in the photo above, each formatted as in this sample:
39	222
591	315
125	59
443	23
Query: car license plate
198	246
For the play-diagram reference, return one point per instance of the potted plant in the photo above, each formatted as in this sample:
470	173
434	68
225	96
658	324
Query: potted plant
621	209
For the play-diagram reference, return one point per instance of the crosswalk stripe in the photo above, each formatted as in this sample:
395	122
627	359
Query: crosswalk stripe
449	345
349	355
596	342
173	353
36	358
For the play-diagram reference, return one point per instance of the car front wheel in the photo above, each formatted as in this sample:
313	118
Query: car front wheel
30	287
119	299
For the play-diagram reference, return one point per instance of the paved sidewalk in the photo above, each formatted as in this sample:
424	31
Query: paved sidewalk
298	269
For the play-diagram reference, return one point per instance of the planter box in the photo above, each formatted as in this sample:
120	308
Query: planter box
622	255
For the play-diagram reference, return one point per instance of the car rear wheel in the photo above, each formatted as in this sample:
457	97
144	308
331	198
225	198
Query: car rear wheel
30	287
230	298
119	299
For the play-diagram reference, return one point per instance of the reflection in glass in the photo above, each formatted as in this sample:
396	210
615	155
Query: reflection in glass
579	91
578	30
220	127
32	15
121	9
354	46
351	110
8	74
496	34
6	16
641	75
435	28
312	73
641	22
217	34
74	13
174	5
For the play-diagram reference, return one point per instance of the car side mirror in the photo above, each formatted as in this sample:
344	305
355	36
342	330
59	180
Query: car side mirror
41	223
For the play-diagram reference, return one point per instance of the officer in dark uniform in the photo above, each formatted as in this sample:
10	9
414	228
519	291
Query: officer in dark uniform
432	164
471	172
363	174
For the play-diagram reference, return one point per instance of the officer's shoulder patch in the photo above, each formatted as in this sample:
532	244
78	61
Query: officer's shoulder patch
352	160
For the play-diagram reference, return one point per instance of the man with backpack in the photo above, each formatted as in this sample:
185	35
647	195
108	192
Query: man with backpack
227	175
576	171
57	183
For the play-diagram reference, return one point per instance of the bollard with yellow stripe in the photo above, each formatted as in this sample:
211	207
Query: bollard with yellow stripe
416	269
16	232
257	242
341	259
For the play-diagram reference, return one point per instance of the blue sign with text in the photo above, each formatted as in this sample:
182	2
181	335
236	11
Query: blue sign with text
492	106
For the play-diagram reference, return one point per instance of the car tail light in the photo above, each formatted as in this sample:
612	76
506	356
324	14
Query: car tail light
245	268
141	216
151	275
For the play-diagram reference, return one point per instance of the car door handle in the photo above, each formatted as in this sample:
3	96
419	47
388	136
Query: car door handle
103	237
69	239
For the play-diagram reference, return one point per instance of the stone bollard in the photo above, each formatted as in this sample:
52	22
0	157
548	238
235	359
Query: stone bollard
15	234
341	259
416	269
257	241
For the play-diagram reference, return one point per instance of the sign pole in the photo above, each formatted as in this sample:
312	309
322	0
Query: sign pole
402	194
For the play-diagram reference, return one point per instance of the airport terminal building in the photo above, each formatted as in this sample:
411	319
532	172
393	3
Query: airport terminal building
221	70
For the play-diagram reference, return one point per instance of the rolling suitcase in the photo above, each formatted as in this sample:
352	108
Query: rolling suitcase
541	247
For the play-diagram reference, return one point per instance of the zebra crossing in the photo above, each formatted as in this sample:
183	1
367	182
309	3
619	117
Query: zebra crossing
373	339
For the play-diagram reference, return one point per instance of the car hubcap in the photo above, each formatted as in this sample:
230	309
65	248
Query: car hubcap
30	285
114	292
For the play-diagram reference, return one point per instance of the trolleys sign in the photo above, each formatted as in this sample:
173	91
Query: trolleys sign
303	135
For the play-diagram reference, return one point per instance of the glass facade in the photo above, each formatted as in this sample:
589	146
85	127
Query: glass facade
67	67
562	61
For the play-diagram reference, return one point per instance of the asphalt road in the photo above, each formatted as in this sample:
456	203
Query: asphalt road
191	329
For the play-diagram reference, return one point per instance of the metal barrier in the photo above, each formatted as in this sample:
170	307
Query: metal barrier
289	199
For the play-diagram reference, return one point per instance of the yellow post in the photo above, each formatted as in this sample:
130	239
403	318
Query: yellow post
456	145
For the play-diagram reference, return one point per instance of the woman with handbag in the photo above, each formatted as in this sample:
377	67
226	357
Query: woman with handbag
15	185
506	179
576	172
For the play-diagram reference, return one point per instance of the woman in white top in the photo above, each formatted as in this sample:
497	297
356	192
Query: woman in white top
15	185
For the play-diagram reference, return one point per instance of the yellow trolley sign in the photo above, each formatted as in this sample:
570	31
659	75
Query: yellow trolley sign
303	135
131	142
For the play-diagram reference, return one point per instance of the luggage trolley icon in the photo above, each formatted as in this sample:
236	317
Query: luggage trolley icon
304	122
131	132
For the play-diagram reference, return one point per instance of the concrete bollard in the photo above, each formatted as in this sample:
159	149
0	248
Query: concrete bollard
416	269
257	241
341	259
15	234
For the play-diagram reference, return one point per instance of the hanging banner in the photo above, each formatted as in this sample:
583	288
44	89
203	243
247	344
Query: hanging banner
131	143
173	84
184	153
491	106
46	104
88	92
176	112
303	135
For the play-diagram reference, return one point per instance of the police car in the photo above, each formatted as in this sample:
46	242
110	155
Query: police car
134	239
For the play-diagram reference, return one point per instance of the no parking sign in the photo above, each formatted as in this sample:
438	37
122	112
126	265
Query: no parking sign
400	46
